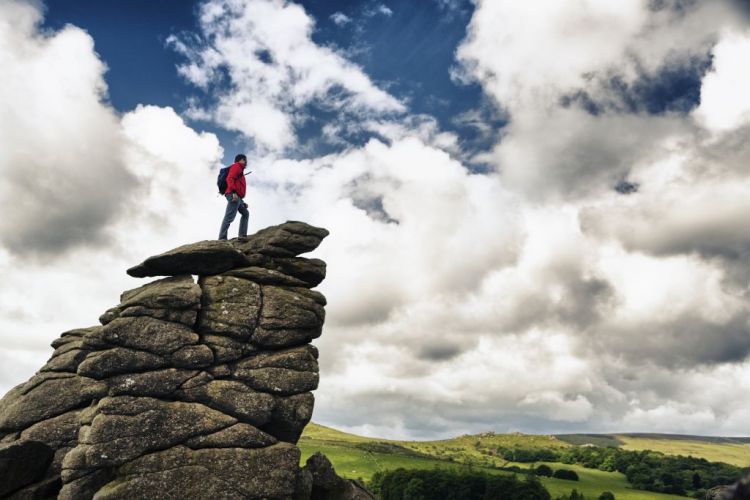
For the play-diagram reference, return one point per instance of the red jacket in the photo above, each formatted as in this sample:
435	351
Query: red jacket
236	180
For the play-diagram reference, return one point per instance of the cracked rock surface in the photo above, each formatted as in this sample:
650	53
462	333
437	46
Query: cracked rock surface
188	388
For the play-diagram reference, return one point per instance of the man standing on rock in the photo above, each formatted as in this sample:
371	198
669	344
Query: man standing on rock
235	194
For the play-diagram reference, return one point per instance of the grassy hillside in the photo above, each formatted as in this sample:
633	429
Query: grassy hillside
735	451
593	482
360	457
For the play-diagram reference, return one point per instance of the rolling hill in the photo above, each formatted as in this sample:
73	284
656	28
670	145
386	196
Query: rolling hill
356	456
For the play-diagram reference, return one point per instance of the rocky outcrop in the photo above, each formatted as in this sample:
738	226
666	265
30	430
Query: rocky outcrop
186	389
320	479
737	491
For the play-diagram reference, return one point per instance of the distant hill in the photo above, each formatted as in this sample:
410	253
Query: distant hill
687	437
614	438
356	456
731	450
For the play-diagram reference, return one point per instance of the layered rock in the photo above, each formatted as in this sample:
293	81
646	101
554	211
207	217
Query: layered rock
187	389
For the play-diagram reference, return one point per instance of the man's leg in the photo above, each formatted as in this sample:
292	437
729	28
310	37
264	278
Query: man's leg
244	219
229	215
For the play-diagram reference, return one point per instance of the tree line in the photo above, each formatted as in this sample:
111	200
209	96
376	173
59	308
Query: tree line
450	484
645	470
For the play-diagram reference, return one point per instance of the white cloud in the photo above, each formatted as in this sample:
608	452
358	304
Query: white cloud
177	203
340	19
86	193
570	154
385	10
376	9
555	406
403	218
436	356
725	102
680	403
687	211
63	177
504	38
705	217
258	55
177	167
552	149
386	385
584	44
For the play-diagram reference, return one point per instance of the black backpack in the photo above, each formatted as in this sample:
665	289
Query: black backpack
221	180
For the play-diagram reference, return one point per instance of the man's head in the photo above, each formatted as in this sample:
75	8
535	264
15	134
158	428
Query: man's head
241	159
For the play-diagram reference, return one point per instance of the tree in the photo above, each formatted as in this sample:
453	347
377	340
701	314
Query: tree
464	484
565	474
414	489
543	470
607	495
574	495
697	483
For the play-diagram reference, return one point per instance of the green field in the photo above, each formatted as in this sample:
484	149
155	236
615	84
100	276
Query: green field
360	457
593	482
731	453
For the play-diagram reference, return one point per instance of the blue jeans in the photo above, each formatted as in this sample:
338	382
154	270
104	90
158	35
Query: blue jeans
232	208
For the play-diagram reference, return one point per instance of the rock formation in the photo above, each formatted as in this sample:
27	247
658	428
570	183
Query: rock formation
326	485
185	390
737	491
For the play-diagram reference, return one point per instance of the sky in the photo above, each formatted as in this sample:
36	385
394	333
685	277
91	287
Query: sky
538	210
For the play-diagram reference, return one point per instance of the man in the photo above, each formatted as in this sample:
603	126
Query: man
234	194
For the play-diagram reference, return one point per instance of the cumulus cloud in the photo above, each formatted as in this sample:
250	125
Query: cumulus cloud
471	391
520	298
177	167
531	297
724	103
692	195
85	192
681	307
553	142
63	176
662	400
176	203
584	45
689	217
518	73
572	154
403	218
258	56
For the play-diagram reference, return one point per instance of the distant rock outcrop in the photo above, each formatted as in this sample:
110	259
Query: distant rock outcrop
737	491
324	484
185	390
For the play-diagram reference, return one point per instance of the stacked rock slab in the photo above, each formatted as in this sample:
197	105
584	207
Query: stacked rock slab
185	390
